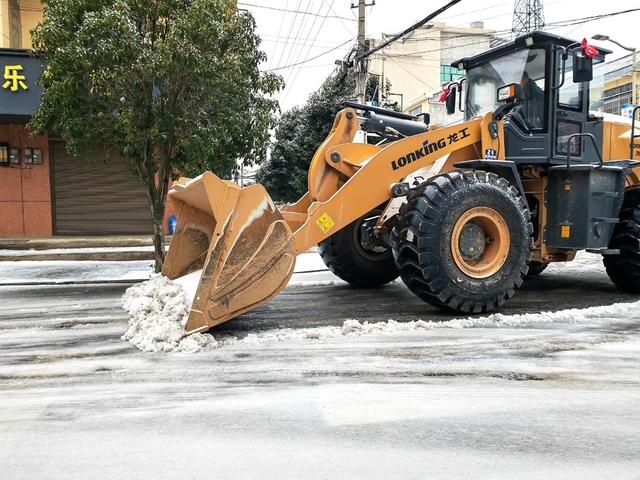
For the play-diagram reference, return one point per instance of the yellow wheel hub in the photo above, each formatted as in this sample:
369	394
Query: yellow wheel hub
480	242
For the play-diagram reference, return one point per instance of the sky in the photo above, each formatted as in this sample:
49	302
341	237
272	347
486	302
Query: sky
290	38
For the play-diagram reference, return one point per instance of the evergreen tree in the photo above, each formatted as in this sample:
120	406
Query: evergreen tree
174	85
301	131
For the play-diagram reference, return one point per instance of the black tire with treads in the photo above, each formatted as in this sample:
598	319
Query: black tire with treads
347	261
624	269
421	241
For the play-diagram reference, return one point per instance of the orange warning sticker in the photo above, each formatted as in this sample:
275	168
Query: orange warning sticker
566	231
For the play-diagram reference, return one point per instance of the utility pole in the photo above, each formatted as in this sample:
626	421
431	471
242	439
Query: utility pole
362	65
381	86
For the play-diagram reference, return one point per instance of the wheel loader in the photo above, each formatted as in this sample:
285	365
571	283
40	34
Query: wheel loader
462	213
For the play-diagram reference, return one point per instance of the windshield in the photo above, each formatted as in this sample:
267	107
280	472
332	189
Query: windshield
525	67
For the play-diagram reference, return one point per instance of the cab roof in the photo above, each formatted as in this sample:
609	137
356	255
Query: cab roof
532	39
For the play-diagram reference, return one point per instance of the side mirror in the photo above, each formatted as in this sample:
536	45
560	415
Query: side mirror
426	117
451	101
582	67
508	93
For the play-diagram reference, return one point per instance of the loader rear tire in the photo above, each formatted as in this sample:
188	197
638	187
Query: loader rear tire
624	269
462	241
361	267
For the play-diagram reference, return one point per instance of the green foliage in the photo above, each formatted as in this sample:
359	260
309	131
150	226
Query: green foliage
172	84
300	132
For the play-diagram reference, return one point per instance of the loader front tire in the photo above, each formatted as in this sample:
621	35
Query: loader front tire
462	241
362	266
624	269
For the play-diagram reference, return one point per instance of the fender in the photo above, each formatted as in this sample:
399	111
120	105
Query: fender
503	168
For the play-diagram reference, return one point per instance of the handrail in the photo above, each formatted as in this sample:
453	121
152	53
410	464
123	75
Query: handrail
595	146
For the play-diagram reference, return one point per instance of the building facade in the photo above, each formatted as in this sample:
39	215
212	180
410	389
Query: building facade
17	19
419	65
618	89
43	190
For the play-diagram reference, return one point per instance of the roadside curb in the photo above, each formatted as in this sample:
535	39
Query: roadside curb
104	282
74	282
47	243
80	257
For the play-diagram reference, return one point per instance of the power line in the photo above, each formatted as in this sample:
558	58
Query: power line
549	26
566	23
298	35
296	58
293	20
337	17
275	46
294	76
312	43
412	74
412	28
312	58
342	21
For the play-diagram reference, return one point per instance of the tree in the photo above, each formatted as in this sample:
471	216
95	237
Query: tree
300	132
173	85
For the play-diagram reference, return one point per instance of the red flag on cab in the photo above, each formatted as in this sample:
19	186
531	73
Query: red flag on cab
445	93
589	50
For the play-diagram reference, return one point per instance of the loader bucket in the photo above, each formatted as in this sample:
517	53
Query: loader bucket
239	240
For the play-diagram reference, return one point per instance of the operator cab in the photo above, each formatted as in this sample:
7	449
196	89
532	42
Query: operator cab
551	100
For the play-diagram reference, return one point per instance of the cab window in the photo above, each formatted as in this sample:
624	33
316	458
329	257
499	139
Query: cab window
570	95
525	67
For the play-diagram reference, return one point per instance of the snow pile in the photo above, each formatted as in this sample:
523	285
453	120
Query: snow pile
356	328
497	320
584	265
159	308
158	311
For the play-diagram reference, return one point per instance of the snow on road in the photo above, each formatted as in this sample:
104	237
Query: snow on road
64	271
504	396
159	308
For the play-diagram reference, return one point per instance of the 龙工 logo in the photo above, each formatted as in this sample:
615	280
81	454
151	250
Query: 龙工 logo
426	149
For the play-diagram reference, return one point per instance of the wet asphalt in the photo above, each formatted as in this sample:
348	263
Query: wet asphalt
320	305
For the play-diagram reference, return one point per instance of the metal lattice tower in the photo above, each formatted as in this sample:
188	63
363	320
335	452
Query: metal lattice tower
528	15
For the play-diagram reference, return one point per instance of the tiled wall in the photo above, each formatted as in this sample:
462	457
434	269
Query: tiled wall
25	190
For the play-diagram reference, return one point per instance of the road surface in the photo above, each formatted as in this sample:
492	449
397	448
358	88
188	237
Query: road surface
547	398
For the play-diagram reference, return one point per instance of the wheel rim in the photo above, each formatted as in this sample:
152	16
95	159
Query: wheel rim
377	254
480	242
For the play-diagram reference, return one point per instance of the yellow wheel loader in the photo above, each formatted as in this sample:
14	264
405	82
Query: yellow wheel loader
462	213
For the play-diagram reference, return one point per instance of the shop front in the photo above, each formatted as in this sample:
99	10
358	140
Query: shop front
43	190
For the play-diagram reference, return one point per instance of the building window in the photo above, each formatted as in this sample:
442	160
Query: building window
33	156
4	154
449	74
615	97
416	111
14	156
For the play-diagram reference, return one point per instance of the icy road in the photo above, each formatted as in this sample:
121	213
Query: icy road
294	392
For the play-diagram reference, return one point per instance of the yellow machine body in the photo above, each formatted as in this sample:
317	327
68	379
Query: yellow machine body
246	247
